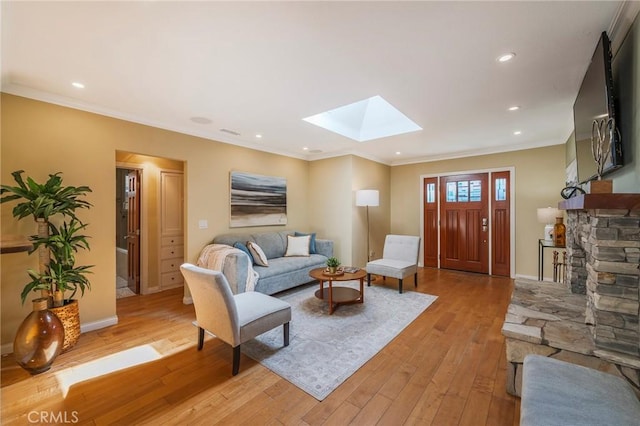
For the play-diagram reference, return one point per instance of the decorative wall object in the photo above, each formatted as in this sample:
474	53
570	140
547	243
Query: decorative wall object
258	200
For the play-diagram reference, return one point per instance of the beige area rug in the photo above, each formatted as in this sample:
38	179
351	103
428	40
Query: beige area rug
325	349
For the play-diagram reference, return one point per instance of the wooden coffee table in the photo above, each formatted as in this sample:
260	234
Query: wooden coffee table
336	296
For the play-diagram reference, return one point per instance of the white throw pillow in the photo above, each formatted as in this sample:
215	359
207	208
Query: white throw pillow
297	246
258	255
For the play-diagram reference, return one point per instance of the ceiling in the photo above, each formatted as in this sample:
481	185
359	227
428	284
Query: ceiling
260	68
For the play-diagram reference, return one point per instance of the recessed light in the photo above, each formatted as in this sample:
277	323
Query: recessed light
517	132
77	85
258	136
514	108
506	57
398	153
305	149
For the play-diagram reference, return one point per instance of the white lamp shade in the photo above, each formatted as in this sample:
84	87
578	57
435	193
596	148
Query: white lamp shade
548	214
367	197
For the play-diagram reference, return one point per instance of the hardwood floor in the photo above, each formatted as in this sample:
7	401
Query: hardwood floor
446	368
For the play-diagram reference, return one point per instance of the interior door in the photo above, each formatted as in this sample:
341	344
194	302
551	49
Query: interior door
464	216
133	231
430	222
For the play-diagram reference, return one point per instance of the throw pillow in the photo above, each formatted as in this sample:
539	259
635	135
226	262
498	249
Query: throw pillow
297	246
244	248
312	241
258	255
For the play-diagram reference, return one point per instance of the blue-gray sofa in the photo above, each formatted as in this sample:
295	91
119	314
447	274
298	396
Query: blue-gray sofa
283	272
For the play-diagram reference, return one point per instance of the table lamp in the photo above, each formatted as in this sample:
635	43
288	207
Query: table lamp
547	215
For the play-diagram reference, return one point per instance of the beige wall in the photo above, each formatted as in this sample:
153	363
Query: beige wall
43	138
538	178
370	175
334	215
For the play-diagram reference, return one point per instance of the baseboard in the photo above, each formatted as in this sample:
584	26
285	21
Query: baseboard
187	300
7	348
97	325
535	278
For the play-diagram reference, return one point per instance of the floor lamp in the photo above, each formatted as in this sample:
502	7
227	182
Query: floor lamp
366	198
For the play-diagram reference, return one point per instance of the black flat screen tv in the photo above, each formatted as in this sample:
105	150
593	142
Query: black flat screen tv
596	101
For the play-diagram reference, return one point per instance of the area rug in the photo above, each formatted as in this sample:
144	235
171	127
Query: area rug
324	350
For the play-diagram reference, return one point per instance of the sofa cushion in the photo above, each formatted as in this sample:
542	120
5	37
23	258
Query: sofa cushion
274	244
312	241
297	246
283	265
258	255
244	248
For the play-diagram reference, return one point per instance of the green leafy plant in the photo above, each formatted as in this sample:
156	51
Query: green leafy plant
333	262
56	245
62	274
44	200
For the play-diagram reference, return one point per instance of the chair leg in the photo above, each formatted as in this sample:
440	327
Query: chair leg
286	333
368	279
200	338
415	280
236	360
400	285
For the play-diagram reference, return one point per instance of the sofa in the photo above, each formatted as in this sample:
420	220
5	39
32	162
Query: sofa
558	393
282	273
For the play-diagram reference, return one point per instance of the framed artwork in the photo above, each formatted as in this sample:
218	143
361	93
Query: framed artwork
257	200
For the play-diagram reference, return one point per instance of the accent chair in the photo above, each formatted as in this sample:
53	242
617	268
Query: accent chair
399	259
234	319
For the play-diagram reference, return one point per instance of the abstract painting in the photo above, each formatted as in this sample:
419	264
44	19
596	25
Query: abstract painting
258	200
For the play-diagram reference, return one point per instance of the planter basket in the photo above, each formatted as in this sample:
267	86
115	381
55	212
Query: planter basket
69	315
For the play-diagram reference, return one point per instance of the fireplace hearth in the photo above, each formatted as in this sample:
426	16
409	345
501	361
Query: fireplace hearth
593	318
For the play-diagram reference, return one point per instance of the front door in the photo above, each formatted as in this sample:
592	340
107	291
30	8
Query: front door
133	231
464	216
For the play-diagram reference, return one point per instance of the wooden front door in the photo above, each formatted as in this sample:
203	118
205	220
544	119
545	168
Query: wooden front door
133	231
464	216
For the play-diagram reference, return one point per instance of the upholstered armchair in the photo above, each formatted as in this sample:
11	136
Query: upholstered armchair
234	319
399	259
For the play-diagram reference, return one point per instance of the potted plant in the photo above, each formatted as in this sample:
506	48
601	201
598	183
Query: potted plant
332	264
56	244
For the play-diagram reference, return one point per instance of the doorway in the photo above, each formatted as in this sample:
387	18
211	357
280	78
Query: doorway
128	196
467	222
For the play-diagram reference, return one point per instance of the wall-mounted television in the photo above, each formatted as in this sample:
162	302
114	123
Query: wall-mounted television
596	101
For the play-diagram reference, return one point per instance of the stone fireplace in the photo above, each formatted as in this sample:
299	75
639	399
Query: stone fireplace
591	319
603	247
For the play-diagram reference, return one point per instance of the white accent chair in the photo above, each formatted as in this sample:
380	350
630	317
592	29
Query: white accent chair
399	259
234	319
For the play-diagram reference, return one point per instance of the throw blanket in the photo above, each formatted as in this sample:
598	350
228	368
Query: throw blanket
213	256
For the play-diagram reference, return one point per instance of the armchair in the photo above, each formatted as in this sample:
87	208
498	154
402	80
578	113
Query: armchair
234	319
399	259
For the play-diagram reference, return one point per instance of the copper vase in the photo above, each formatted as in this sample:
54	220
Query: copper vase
39	339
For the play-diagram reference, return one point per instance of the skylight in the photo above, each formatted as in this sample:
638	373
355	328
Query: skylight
362	121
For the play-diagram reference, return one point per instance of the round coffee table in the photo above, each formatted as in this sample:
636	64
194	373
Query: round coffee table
336	296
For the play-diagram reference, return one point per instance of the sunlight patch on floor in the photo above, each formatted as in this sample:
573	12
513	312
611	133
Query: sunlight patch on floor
105	365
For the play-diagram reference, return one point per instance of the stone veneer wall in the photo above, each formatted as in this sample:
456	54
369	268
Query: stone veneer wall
604	259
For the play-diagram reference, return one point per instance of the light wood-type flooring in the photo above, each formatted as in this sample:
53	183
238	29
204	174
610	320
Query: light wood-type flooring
445	368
